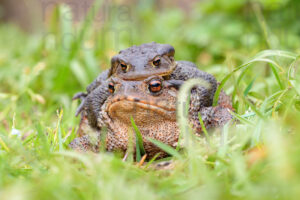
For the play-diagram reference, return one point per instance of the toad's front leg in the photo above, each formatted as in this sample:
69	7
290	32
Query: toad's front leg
98	82
86	143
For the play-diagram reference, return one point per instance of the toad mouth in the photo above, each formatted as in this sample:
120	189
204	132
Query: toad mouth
138	103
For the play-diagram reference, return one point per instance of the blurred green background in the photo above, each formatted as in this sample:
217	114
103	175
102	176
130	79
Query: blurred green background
60	55
49	50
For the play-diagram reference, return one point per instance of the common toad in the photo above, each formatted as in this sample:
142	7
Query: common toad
152	105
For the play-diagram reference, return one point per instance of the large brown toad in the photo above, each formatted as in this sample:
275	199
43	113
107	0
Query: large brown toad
152	105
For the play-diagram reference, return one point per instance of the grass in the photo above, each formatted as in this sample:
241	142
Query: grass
254	157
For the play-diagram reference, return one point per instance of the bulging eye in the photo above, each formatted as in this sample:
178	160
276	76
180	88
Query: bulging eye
156	61
111	87
123	67
155	86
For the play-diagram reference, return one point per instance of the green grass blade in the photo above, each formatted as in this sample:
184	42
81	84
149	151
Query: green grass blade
152	160
224	139
58	135
3	145
275	72
203	127
253	107
237	84
241	118
269	101
296	85
166	148
278	101
137	152
276	53
248	88
60	142
183	104
256	95
218	91
140	151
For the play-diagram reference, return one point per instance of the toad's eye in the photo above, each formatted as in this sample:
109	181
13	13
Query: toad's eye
155	86
123	67
156	61
111	88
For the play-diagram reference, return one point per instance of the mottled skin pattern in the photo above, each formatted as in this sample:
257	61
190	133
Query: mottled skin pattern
153	113
140	64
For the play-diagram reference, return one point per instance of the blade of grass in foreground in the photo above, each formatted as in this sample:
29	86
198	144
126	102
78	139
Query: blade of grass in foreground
57	136
183	105
80	157
152	160
4	146
248	88
165	148
242	118
204	128
279	53
139	141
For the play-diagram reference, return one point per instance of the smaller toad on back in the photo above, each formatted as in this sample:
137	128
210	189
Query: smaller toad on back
140	62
